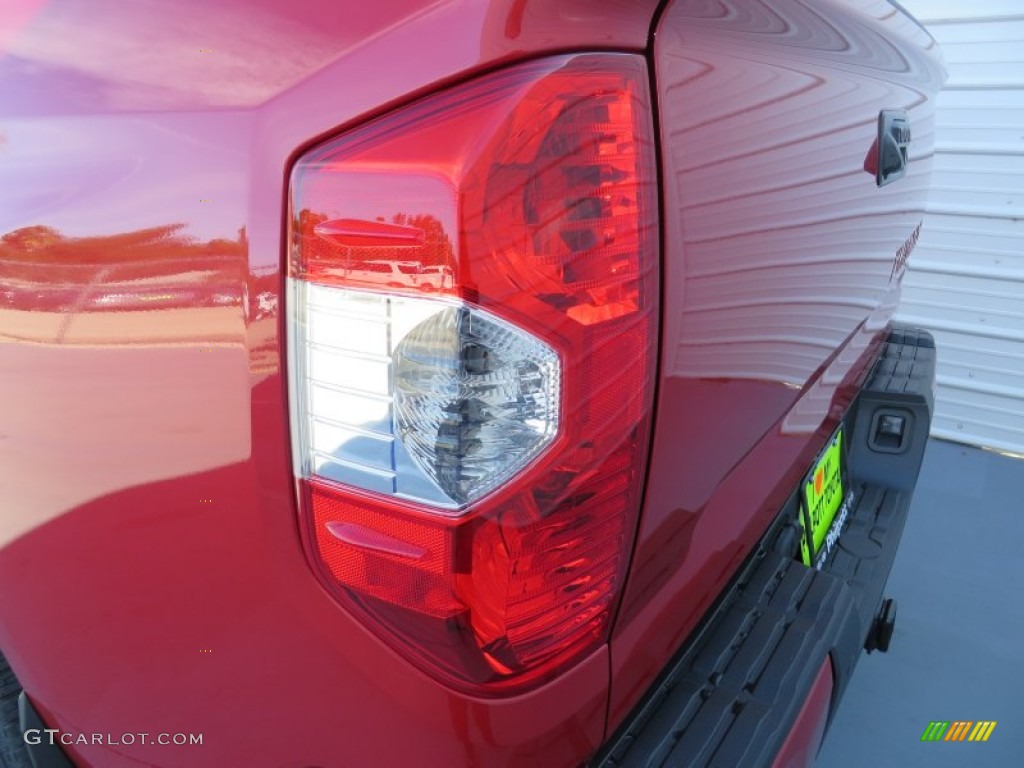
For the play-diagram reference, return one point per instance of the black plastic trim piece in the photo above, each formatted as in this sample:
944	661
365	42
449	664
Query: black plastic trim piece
731	697
891	146
41	752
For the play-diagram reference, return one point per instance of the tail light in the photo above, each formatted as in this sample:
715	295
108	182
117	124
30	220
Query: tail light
473	317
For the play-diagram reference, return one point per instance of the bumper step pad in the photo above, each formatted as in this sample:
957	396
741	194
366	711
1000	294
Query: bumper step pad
732	696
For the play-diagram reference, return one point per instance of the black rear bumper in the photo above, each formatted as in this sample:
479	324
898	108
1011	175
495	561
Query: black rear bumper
732	696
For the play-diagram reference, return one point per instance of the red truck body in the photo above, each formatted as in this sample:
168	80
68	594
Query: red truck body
155	574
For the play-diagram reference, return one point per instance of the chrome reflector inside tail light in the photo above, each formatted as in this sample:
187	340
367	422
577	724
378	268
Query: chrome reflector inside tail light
429	400
475	399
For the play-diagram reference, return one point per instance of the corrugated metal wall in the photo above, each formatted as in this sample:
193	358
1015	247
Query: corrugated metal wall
966	277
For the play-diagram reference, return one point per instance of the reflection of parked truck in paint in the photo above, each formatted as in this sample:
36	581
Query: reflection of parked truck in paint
560	418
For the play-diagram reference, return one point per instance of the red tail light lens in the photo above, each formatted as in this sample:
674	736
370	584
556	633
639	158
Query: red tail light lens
473	323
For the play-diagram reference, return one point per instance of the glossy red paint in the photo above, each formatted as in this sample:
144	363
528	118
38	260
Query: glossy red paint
777	279
803	741
151	568
150	563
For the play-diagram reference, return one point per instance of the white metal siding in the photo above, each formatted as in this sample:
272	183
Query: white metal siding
966	277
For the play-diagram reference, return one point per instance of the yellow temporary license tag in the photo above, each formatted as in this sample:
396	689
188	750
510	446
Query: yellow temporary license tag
823	493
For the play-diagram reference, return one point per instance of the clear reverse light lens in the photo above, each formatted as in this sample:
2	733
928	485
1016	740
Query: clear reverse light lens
424	399
475	399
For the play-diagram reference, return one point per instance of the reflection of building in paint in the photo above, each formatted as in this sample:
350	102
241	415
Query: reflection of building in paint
136	285
428	265
781	246
43	270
